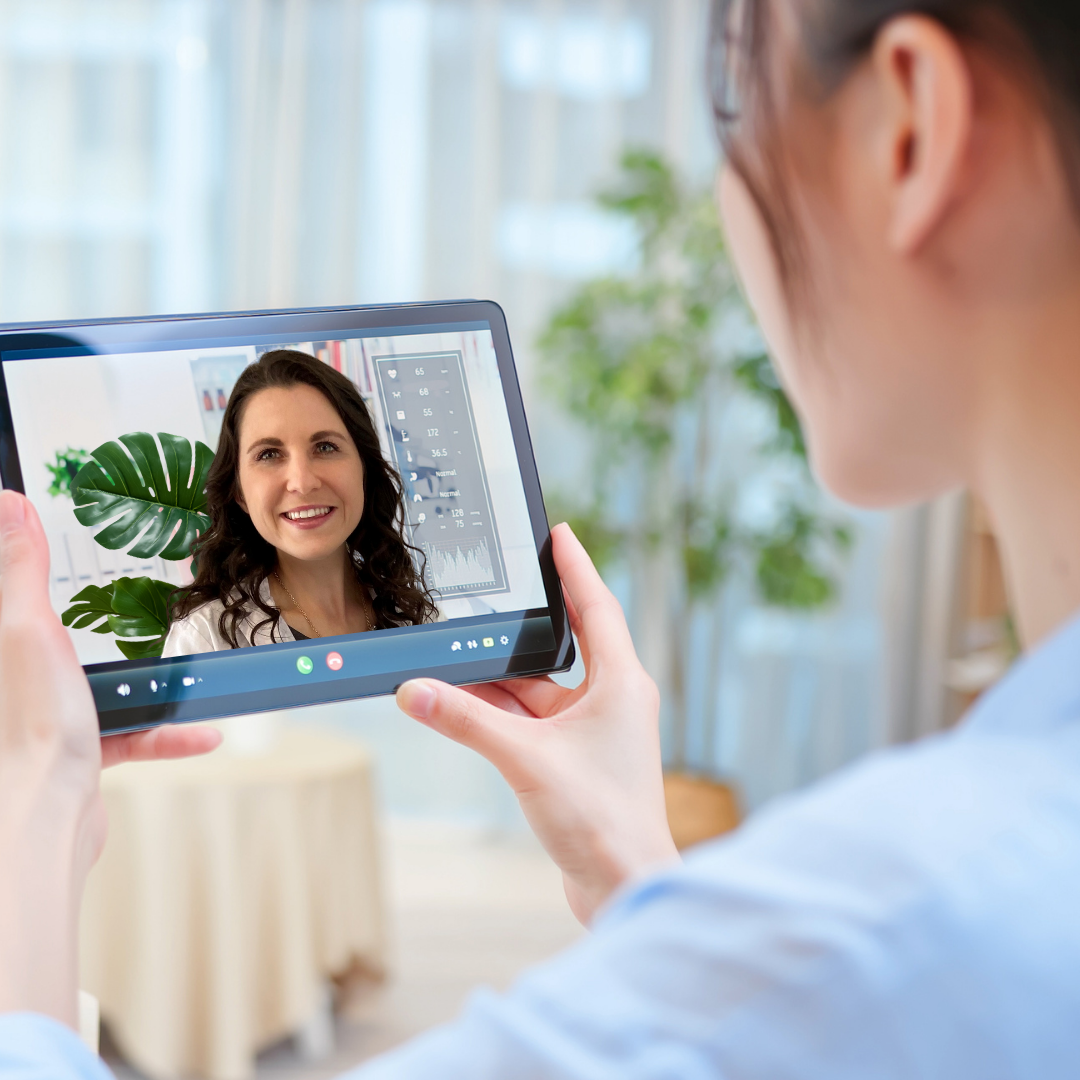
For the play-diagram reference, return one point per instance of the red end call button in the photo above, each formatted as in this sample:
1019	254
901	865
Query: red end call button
334	661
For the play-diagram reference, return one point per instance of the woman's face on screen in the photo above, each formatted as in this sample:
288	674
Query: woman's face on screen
300	475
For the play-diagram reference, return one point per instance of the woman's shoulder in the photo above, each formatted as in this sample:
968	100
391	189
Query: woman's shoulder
206	612
200	629
197	631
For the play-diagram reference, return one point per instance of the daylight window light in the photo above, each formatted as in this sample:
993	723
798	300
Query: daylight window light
584	58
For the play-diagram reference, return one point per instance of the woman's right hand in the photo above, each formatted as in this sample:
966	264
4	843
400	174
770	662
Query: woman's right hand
583	762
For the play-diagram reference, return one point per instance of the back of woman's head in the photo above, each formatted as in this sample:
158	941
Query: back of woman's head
232	559
750	77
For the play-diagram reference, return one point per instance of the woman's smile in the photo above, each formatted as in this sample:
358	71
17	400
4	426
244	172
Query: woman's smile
309	517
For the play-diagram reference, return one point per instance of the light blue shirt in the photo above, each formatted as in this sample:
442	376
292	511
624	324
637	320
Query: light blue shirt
34	1047
917	915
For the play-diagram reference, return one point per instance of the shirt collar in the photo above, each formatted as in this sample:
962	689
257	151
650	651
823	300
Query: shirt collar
1041	690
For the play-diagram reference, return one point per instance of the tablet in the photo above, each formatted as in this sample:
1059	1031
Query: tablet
174	469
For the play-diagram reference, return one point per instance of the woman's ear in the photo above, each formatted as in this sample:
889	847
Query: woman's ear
929	105
238	496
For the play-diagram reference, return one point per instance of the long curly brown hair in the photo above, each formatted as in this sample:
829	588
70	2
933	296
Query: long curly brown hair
232	560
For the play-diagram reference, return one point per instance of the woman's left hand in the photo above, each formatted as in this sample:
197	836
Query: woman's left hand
52	821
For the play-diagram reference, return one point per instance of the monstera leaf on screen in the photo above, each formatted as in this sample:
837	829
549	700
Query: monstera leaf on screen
92	605
151	502
130	608
140	610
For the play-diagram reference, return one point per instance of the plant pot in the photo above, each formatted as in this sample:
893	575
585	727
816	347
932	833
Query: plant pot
699	808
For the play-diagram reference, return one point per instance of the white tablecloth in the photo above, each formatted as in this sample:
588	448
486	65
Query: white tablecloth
231	888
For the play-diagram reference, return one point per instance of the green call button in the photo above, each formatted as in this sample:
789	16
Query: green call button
304	665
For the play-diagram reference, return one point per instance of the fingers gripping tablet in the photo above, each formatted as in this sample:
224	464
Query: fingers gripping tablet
259	510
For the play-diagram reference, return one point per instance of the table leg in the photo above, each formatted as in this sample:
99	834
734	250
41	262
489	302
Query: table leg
314	1041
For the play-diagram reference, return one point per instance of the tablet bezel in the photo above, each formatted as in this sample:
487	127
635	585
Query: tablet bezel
307	324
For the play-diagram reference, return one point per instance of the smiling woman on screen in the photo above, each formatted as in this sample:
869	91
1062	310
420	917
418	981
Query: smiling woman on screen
307	519
901	189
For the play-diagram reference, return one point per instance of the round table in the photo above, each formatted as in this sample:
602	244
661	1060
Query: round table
230	890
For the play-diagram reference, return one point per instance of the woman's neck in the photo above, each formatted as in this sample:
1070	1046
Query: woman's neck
325	589
1029	471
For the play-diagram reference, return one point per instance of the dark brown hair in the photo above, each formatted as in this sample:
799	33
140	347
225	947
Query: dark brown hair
232	560
744	76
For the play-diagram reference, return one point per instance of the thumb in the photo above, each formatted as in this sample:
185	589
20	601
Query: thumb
24	558
461	716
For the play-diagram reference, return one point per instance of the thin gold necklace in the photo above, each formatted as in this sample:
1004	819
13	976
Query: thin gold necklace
307	617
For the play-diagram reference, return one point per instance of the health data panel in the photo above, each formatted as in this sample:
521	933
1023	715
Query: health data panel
429	416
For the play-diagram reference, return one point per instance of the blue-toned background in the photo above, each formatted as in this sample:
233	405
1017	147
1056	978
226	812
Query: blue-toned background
180	155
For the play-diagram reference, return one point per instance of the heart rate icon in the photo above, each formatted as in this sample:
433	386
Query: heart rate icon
392	372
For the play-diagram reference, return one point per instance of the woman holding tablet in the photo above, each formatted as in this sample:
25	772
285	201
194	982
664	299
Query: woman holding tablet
902	196
306	535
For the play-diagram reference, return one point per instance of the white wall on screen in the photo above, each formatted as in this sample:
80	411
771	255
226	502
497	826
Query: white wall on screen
83	402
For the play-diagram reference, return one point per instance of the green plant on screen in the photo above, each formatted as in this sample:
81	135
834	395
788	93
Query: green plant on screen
149	496
63	470
136	610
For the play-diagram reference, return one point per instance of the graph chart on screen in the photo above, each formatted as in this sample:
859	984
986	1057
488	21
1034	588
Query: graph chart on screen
453	566
432	432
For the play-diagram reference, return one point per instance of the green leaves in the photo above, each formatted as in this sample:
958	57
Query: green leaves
789	571
757	375
92	605
648	363
708	549
625	353
647	192
64	469
603	542
627	356
150	496
151	501
130	608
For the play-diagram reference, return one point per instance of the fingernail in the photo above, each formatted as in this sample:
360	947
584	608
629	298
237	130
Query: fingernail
12	511
417	698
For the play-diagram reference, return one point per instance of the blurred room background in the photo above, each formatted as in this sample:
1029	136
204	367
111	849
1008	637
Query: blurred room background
161	156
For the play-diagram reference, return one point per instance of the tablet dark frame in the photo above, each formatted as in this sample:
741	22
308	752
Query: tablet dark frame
542	654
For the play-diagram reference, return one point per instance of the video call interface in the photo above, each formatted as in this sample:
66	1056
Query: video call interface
437	402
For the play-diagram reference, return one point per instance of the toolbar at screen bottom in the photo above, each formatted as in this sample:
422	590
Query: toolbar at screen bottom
291	664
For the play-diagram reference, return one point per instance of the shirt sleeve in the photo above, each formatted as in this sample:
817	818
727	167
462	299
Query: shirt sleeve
736	964
853	933
189	636
640	999
35	1047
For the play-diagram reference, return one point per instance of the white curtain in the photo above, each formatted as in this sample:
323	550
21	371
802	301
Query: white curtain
186	155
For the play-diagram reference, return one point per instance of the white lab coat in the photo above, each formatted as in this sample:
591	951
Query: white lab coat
199	632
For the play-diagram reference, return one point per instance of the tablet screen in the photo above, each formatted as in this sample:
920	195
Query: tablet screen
116	432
